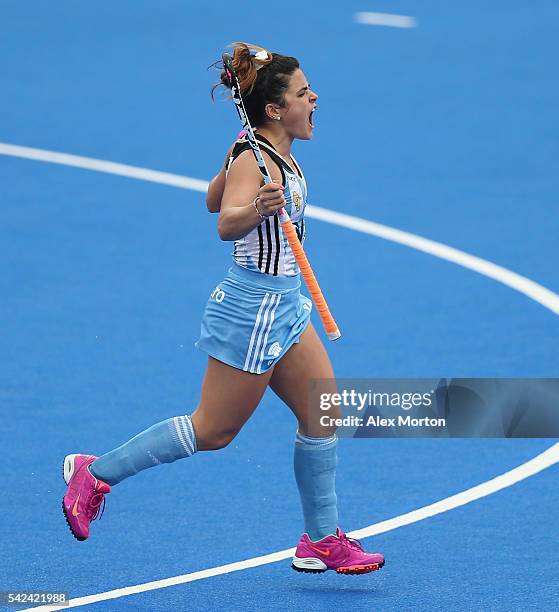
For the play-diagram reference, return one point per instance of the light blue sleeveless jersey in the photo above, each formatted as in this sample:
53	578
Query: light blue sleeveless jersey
265	249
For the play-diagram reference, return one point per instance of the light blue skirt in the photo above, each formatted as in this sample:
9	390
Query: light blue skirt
252	319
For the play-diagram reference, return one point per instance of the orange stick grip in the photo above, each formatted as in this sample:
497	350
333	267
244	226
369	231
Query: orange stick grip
310	280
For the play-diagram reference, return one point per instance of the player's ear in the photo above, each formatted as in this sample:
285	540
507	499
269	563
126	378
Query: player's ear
272	112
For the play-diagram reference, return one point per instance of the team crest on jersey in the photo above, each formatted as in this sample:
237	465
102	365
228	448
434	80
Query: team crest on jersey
297	200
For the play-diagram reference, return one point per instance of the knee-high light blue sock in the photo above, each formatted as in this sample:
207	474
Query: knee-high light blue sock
164	442
315	471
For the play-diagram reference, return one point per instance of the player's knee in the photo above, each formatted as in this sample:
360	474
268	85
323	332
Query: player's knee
323	426
219	439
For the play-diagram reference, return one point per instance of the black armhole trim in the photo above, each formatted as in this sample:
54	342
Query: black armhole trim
243	145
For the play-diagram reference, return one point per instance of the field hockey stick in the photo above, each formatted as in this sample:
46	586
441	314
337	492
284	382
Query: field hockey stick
328	321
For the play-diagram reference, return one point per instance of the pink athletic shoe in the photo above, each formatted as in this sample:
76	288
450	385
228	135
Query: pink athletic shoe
338	552
84	496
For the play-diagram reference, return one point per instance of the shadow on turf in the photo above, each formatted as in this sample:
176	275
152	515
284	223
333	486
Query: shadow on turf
338	590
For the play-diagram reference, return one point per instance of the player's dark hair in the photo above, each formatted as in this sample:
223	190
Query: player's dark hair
267	85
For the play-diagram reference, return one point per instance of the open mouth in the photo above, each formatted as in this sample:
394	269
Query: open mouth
311	122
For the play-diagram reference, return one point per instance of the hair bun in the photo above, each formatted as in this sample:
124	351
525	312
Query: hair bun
247	60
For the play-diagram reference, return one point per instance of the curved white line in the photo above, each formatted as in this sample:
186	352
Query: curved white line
523	285
542	461
101	165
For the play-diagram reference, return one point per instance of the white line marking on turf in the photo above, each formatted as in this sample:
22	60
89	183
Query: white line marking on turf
524	285
542	461
386	19
100	165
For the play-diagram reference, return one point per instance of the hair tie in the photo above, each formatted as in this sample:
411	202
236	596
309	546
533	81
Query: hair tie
263	56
